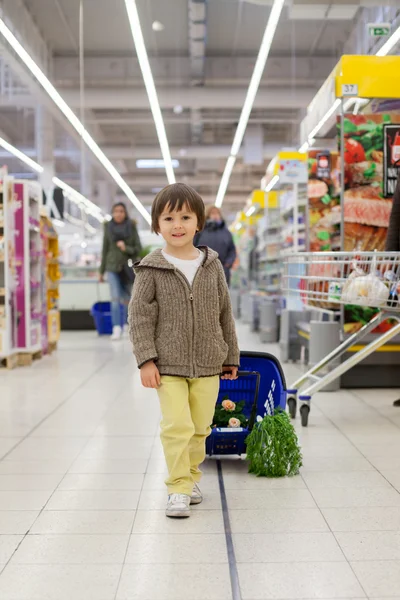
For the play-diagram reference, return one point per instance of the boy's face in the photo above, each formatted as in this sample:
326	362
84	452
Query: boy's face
178	227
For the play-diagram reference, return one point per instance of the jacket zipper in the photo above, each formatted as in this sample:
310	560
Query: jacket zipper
191	298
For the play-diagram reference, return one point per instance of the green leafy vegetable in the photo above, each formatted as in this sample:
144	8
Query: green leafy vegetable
370	172
349	126
326	199
273	448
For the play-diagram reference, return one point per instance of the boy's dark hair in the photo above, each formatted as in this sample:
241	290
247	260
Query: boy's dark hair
175	197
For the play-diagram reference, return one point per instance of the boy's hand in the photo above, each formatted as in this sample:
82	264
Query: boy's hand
229	373
150	375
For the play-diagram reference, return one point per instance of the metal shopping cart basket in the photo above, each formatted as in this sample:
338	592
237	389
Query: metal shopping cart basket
261	384
328	281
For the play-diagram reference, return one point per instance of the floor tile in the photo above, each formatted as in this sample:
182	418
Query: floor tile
94	500
41	448
337	463
154	521
24	500
370	545
378	578
6	443
28	482
133	466
363	518
298	580
174	582
259	499
8	545
59	582
118	448
101	481
17	521
71	549
356	497
251	482
198	548
393	477
84	522
286	547
356	479
278	520
46	466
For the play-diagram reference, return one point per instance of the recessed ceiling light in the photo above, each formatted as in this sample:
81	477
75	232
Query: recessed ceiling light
178	109
157	26
154	163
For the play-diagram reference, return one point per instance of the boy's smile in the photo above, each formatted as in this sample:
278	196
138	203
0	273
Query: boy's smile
178	228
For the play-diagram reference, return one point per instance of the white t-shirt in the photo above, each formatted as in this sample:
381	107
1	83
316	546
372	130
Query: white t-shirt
187	267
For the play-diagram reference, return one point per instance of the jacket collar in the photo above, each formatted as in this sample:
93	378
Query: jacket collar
156	260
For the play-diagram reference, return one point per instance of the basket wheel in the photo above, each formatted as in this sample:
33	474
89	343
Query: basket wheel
304	412
292	406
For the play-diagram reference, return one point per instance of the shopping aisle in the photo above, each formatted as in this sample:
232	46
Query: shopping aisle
82	496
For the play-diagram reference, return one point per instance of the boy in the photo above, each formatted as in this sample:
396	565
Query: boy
183	333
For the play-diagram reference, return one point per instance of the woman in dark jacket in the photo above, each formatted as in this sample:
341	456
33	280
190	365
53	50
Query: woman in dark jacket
120	243
217	236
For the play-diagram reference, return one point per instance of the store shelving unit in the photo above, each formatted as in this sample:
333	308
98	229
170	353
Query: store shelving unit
269	267
8	274
29	266
50	290
294	203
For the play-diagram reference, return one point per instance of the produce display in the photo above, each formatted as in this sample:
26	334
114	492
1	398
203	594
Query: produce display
324	202
366	210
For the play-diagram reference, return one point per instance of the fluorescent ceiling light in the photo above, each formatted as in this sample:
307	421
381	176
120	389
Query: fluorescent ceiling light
252	90
154	163
326	116
223	186
58	223
272	183
23	157
251	210
390	44
150	87
72	118
304	147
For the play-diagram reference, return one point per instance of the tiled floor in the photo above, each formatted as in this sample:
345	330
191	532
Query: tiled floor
82	494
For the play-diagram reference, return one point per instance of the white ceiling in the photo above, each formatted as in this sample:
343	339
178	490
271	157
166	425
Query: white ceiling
309	40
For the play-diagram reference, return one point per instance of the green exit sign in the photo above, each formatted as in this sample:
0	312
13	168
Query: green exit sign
379	29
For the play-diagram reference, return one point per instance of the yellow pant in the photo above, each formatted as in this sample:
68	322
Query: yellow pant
187	407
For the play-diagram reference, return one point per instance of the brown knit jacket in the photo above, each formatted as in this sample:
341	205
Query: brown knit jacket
188	331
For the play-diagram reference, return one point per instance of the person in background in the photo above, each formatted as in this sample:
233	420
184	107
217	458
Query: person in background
393	236
120	243
184	338
217	236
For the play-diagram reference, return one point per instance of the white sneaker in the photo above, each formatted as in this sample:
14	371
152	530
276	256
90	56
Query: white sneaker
125	330
117	333
197	496
178	505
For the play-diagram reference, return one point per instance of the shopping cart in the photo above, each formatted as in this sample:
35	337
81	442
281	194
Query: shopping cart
261	384
328	281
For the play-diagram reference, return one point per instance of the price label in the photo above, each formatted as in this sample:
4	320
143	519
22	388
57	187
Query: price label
349	89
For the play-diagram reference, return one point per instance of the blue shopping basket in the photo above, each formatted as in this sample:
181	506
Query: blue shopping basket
101	313
261	384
